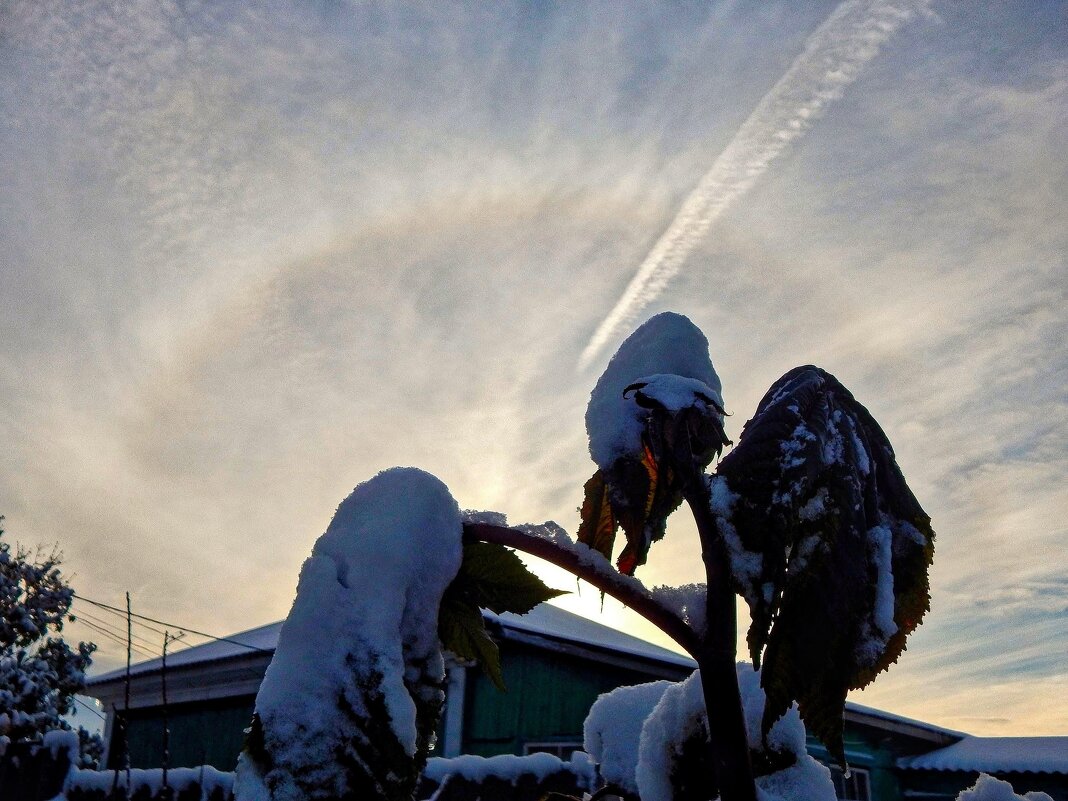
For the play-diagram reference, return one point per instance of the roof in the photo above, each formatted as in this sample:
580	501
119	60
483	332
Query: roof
552	621
996	755
858	713
544	625
544	620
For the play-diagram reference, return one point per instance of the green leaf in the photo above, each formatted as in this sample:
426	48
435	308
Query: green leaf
494	577
462	630
491	577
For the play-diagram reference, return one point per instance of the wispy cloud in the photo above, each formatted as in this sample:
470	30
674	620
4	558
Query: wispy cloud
832	58
250	256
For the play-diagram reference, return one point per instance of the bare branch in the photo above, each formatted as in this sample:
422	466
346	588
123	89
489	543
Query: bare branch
607	580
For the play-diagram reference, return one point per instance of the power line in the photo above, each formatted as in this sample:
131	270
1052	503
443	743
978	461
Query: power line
121	614
175	625
120	640
85	617
90	708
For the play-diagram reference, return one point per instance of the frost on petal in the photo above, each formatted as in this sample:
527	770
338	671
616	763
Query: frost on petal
352	696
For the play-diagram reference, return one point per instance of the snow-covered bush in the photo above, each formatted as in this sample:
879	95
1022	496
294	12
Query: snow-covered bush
987	788
651	741
39	672
350	701
808	518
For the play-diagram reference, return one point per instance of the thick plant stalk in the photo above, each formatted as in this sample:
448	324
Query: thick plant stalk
715	652
717	660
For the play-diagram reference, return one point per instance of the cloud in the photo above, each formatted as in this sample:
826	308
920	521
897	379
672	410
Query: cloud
832	58
249	257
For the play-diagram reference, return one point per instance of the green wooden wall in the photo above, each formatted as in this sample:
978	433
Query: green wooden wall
202	733
558	690
868	753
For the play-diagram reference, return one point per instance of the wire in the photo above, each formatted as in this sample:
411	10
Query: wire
90	708
86	617
120	614
175	625
120	640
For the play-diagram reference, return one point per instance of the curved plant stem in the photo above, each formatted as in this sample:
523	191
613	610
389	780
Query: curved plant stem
715	650
607	579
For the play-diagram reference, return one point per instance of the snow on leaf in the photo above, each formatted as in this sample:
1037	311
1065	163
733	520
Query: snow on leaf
819	505
655	419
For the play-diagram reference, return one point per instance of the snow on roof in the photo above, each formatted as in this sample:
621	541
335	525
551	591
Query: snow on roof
545	620
860	711
262	639
552	621
996	755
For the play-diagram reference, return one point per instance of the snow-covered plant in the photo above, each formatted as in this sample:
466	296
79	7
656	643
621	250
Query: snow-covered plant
39	671
827	545
351	700
808	518
651	742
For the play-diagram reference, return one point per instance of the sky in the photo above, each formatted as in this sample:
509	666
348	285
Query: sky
252	254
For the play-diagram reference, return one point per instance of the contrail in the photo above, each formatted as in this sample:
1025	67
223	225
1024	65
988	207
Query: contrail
832	58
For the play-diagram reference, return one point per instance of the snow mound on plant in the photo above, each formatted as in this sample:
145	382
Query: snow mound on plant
667	345
613	729
358	663
680	714
987	788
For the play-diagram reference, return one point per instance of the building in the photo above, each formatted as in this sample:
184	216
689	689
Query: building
555	665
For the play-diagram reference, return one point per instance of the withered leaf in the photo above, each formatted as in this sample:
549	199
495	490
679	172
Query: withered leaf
831	547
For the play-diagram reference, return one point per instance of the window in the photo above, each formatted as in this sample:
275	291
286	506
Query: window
561	749
854	787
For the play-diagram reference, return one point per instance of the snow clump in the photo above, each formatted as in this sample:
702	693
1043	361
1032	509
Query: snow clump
613	728
350	700
987	788
641	737
663	350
